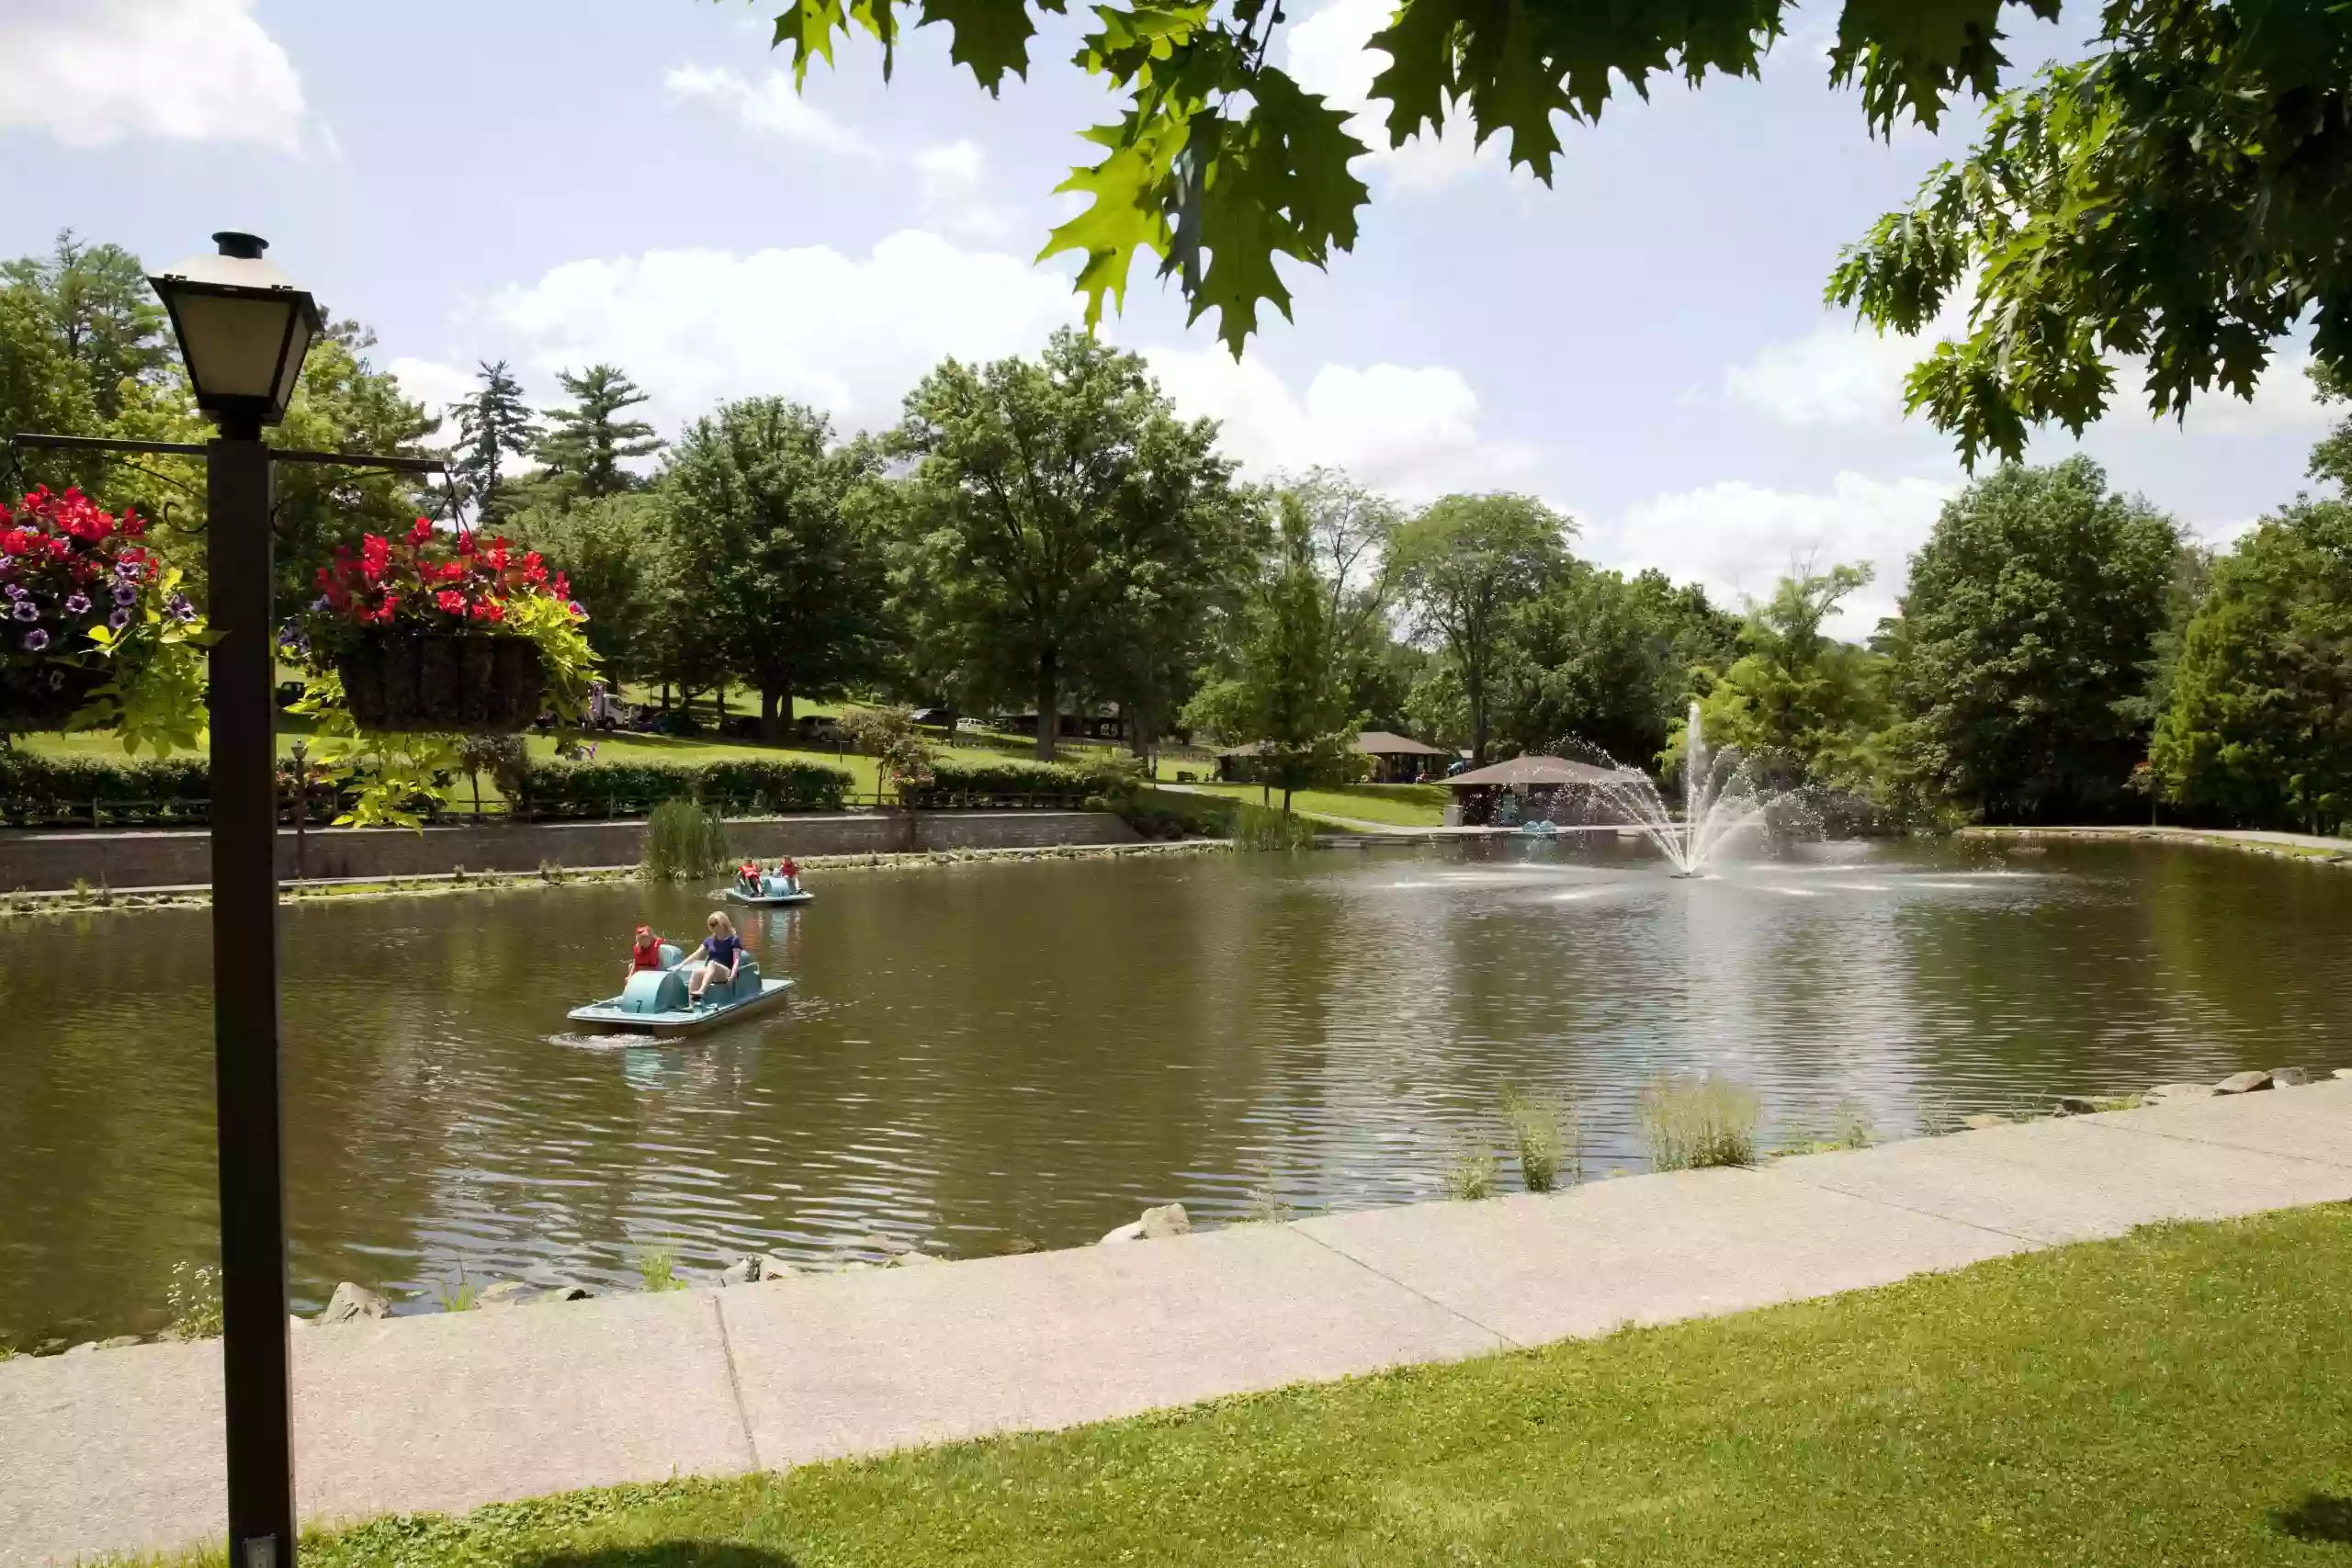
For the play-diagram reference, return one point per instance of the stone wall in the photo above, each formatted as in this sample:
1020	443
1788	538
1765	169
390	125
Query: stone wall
47	861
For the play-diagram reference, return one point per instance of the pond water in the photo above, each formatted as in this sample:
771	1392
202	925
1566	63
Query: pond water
985	1054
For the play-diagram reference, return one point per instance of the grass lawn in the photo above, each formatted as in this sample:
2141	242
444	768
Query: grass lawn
1406	805
2182	1396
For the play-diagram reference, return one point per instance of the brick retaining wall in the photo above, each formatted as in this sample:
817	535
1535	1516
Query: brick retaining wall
46	862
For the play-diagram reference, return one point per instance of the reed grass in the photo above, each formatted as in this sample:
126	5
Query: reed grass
684	838
1547	1135
1692	1123
1261	828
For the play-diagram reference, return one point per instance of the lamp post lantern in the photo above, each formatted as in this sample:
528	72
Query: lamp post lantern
243	329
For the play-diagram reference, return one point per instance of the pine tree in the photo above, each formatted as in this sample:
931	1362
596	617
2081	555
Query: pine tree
492	425
586	444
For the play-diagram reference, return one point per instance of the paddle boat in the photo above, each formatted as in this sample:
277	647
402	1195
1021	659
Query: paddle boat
773	891
657	1000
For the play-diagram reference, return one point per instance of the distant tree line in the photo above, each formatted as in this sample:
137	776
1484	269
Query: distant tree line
1045	533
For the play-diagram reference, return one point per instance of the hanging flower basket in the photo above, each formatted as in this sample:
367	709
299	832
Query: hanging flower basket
70	572
453	683
440	632
38	694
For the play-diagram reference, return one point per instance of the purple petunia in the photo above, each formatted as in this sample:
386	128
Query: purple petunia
36	639
120	619
126	569
16	592
179	608
77	604
25	610
125	594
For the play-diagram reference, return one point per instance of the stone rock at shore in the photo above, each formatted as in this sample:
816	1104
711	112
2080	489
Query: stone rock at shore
905	1259
2289	1077
890	1246
120	1342
505	1294
560	1293
2343	1073
2183	1091
350	1302
1982	1120
2242	1083
775	1268
1131	1231
742	1271
1167	1220
2076	1105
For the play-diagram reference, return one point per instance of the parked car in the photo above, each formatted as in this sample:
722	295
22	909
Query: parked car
935	718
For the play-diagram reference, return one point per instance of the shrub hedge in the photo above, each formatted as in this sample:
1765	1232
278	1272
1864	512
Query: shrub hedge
598	789
982	779
37	789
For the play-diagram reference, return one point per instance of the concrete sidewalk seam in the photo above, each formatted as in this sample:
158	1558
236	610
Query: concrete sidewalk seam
735	1380
2028	1243
1389	1278
2217	1143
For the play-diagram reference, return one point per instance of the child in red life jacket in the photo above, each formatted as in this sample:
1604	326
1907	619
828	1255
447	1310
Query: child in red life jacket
789	872
645	952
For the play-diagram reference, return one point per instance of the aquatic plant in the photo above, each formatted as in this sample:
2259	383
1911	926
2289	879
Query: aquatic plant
1692	1123
193	1297
682	839
460	1296
658	1267
1263	829
1470	1173
1851	1126
1548	1136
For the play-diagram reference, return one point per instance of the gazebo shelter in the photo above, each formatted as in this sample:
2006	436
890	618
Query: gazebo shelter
1399	759
1540	782
1396	759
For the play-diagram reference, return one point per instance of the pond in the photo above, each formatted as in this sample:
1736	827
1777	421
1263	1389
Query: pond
986	1056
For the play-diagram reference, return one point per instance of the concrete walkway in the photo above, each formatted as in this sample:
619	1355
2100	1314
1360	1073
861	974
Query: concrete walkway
120	1449
2301	844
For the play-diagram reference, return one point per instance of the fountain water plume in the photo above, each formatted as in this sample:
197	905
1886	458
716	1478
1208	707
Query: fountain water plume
1720	802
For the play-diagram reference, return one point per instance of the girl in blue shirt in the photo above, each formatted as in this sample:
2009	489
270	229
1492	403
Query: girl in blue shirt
722	955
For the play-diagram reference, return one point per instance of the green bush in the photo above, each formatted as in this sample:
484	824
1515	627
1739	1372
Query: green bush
684	838
985	780
600	789
35	789
1263	827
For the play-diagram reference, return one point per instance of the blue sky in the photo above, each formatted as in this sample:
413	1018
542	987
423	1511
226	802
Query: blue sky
1644	344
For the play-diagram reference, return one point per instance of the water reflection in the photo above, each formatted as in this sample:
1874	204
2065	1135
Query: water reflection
985	1053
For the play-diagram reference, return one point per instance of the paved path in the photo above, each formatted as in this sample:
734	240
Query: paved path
120	1450
2250	838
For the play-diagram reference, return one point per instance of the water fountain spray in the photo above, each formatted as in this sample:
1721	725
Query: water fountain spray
1721	801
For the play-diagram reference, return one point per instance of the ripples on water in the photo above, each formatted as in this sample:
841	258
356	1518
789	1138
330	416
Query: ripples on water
982	1054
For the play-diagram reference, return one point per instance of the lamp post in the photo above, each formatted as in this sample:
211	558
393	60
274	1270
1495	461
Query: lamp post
243	329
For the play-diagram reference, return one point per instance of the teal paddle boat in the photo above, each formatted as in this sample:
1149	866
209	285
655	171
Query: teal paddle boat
773	891
657	1002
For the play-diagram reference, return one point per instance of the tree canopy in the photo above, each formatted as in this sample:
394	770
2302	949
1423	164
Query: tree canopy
1466	565
2178	194
586	444
2026	632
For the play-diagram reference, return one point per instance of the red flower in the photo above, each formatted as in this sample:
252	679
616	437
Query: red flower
562	586
421	531
452	601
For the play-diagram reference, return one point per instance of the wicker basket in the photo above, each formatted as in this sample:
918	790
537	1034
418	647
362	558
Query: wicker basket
458	682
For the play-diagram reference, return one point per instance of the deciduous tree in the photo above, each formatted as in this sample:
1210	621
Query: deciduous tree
1466	565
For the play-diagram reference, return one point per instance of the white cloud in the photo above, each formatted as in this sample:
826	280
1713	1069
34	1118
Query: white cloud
1413	432
435	385
2283	403
1328	56
92	72
850	335
1840	373
769	107
1739	538
953	176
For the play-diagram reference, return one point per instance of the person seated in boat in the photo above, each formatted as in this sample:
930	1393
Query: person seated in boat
645	951
788	873
747	878
722	955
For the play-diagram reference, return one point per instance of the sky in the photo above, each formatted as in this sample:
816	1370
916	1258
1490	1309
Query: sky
1643	344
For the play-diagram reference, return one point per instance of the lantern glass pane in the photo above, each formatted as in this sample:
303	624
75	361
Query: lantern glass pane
233	343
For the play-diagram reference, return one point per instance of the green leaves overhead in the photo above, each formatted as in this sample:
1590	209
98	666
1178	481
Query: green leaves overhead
2179	196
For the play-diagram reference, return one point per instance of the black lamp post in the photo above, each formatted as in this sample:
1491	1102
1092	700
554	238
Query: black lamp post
243	329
